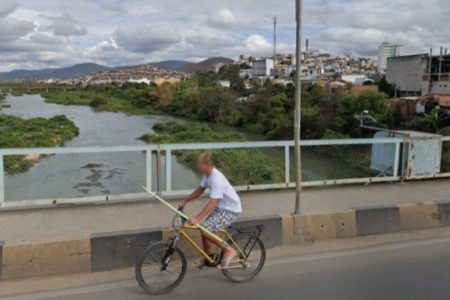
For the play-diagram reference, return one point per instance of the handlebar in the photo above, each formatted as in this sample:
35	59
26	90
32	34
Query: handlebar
182	220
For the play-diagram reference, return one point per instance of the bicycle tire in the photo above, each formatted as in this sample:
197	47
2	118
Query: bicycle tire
230	274
157	252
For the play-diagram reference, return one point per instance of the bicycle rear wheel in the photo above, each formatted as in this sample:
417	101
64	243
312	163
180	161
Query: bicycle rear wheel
160	268
249	265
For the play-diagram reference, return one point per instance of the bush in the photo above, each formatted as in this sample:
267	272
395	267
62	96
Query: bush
32	133
242	166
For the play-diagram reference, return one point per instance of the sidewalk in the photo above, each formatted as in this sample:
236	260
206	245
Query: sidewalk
76	222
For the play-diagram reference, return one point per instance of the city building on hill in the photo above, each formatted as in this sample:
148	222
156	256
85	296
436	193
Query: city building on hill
386	51
420	75
262	67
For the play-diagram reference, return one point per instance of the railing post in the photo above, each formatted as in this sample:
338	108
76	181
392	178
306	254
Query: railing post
158	171
2	182
287	165
168	170
396	159
148	169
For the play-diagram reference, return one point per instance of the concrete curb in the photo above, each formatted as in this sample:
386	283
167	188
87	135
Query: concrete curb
120	249
45	258
108	251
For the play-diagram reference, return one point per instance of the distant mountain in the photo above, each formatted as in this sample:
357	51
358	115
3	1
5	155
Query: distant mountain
81	70
146	72
172	64
207	64
59	73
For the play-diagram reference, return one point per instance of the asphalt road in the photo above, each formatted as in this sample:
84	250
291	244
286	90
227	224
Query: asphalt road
409	270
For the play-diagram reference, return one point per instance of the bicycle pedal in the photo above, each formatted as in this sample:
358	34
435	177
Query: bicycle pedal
246	265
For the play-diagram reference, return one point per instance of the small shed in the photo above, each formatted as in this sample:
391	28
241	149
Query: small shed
420	154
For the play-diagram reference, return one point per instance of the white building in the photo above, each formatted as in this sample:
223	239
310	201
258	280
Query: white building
355	79
262	67
385	51
140	80
225	83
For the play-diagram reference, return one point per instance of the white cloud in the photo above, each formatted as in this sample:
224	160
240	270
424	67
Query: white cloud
257	44
7	7
12	29
111	32
66	26
224	18
146	39
111	7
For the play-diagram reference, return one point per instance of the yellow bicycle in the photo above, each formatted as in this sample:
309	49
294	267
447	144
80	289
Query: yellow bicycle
162	266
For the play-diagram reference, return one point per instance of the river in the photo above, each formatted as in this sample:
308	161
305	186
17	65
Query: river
76	175
80	175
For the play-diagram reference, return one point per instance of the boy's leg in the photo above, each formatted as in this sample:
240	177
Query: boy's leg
207	240
206	244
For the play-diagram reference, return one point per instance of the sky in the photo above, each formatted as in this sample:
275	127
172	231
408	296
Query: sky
55	33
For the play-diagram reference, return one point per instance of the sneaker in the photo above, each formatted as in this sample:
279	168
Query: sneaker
226	261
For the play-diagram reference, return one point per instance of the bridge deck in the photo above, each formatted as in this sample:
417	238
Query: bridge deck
64	223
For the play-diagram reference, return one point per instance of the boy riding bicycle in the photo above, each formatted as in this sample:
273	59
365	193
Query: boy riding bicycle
222	209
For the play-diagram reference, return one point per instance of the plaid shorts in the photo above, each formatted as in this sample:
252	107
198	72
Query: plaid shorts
220	219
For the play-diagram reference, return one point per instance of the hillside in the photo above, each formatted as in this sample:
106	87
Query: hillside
205	65
168	68
172	64
123	74
56	73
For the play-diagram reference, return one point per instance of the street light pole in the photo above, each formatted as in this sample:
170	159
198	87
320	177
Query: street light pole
298	97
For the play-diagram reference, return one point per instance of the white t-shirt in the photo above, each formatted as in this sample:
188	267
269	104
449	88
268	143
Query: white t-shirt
222	190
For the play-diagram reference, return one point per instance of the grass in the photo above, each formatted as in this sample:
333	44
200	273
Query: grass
241	166
99	101
32	133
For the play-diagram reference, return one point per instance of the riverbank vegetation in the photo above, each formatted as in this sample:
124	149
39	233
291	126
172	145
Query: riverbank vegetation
242	166
128	98
265	109
32	133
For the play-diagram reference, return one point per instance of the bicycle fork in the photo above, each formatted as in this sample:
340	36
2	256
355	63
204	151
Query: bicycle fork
169	252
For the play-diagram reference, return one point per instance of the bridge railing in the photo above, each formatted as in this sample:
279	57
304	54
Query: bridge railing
445	162
66	176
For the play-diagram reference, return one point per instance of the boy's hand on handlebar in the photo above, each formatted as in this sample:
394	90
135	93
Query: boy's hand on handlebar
182	204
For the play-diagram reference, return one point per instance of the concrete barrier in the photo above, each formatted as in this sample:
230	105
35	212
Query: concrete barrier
120	249
114	250
1	258
45	258
419	216
377	220
329	225
444	213
273	229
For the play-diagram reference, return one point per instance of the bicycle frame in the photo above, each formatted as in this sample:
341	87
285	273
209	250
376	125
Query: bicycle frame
224	234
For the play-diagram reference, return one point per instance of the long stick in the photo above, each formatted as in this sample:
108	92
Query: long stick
184	216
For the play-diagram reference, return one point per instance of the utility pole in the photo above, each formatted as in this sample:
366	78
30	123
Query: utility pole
298	99
274	38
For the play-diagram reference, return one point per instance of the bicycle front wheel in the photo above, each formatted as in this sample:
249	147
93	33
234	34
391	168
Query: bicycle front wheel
250	262
160	268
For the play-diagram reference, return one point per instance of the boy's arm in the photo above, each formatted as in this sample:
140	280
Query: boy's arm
212	203
195	194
